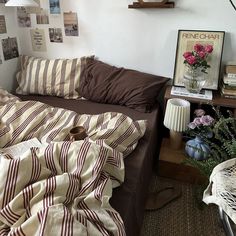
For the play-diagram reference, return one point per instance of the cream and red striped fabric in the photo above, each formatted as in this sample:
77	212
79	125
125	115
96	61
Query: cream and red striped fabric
5	97
58	77
64	187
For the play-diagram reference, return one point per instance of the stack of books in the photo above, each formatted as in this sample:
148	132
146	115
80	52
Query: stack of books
228	85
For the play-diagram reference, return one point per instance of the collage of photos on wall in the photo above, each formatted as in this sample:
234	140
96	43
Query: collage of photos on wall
39	36
9	45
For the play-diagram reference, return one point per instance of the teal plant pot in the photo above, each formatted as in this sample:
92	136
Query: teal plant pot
197	149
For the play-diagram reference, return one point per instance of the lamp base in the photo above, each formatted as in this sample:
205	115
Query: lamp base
175	140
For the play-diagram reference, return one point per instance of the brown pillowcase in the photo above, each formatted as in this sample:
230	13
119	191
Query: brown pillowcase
104	83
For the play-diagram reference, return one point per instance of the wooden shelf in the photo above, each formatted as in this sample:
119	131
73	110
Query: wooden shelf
163	4
216	101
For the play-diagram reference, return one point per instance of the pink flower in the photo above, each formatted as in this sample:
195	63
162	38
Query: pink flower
206	120
187	54
198	47
198	57
197	121
192	125
202	54
199	112
208	48
191	60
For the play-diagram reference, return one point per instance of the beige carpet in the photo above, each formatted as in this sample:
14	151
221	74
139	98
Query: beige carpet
182	217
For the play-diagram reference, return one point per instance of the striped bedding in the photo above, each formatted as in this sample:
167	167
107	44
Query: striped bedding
64	187
55	77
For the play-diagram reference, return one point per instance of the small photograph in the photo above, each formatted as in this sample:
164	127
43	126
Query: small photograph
54	7
3	1
23	17
42	17
71	24
10	48
55	35
34	10
3	28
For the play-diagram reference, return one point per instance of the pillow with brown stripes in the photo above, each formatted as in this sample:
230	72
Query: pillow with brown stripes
53	77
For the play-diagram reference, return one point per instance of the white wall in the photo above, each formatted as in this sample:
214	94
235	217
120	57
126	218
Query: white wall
8	68
143	39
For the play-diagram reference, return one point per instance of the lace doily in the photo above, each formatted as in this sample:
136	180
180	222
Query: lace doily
222	188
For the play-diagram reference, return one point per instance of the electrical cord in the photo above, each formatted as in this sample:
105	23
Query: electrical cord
232	4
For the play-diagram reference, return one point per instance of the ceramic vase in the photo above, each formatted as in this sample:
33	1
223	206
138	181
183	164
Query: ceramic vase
194	80
197	149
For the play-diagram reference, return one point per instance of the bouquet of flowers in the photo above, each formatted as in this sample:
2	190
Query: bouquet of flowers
202	124
198	57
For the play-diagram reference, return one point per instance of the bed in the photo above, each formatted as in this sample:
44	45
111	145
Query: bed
128	199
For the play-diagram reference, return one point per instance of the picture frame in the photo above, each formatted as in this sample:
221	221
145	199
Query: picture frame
185	42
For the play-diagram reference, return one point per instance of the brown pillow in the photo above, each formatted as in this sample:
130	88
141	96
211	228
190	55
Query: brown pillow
104	83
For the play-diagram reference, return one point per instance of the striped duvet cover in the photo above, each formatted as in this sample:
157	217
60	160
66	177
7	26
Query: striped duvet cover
64	187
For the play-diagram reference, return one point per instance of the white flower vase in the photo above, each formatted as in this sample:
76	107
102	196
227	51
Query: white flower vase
194	80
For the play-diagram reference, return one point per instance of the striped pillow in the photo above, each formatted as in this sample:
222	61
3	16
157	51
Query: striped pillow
58	77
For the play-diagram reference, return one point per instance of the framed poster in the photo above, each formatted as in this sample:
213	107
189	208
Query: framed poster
186	41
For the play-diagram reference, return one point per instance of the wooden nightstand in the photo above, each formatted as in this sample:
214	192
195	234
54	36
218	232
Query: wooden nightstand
171	161
171	164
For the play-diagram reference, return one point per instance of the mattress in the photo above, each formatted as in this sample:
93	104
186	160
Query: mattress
129	198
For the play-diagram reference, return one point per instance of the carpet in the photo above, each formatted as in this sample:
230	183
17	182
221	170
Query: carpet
181	217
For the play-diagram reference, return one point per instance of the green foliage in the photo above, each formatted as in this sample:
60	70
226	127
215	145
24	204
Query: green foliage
222	143
205	166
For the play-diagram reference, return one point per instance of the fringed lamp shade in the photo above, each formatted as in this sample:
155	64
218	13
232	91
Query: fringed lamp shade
21	3
177	118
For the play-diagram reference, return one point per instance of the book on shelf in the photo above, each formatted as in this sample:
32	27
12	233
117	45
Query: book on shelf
229	80
181	91
230	69
228	96
231	75
227	91
230	63
228	86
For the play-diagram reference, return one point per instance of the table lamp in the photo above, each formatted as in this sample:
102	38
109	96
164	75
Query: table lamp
21	3
177	118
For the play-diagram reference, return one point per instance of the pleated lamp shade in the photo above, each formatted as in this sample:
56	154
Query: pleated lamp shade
21	3
177	115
